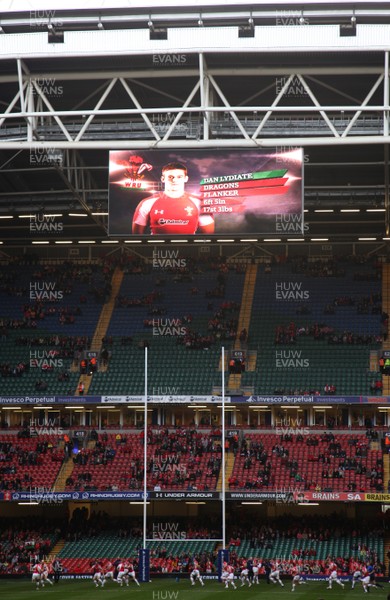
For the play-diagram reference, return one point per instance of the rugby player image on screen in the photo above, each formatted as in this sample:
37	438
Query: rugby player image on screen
203	192
172	211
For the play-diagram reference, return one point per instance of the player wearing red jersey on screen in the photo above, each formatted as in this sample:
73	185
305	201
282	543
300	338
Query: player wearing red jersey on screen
172	211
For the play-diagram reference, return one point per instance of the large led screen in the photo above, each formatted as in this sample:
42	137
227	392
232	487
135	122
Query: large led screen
206	192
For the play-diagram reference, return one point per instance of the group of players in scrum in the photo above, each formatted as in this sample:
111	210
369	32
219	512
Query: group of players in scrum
125	572
249	574
40	574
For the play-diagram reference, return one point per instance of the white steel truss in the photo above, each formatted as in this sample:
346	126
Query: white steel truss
205	115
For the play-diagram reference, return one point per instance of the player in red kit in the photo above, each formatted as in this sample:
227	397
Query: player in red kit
36	574
172	211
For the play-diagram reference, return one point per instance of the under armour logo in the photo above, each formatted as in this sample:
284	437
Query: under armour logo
159	212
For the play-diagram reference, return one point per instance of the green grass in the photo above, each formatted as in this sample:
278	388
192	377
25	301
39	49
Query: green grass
168	589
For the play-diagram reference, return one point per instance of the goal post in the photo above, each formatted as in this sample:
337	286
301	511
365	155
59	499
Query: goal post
223	556
144	565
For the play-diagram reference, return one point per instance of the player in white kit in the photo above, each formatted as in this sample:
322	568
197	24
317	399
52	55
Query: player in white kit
366	582
36	574
297	579
356	576
230	577
123	571
274	576
224	574
195	575
45	574
333	577
108	573
244	577
97	575
256	569
131	573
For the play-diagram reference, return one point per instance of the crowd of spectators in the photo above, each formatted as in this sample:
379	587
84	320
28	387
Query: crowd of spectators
15	461
178	458
289	335
53	284
333	462
144	300
8	370
66	275
21	541
319	268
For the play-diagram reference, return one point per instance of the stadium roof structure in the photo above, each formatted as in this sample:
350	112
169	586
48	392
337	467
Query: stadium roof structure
75	83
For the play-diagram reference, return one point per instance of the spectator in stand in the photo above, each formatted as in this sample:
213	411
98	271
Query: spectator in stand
93	365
